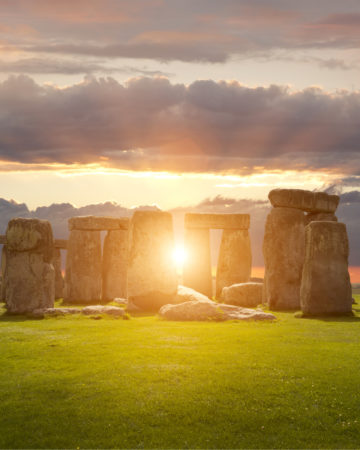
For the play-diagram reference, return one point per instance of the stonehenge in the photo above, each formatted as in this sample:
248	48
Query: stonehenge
28	275
306	254
83	267
234	263
89	276
114	265
152	277
325	287
284	251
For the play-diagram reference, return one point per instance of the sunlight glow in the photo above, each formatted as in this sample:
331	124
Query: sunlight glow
179	256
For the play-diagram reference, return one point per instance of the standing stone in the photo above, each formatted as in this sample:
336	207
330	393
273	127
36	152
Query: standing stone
152	278
29	277
59	280
3	269
316	217
197	267
234	262
83	267
284	250
325	287
114	265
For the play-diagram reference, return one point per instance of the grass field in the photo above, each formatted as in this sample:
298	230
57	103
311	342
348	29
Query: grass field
147	383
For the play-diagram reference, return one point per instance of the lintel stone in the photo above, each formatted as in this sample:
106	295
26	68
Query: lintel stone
94	223
218	221
308	201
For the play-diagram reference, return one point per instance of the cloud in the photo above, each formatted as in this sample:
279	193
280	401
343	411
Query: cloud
202	31
152	124
52	65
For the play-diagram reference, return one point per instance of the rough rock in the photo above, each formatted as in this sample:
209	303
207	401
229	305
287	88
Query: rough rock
59	280
35	235
284	252
312	202
94	223
234	262
325	287
186	294
28	276
197	267
54	312
209	310
101	309
316	217
217	221
3	269
152	278
243	294
114	265
83	267
29	282
121	301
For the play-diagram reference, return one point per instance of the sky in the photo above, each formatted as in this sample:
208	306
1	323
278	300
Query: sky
169	102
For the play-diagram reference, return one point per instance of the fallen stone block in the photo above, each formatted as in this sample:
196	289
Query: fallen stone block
186	294
243	294
211	311
103	309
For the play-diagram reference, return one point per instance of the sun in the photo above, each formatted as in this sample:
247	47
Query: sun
179	256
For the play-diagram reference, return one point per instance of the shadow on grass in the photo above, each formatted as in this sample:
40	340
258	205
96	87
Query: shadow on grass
351	317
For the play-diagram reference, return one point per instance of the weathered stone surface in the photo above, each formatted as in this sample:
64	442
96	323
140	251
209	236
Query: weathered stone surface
152	278
2	239
114	264
60	244
325	287
23	235
121	301
316	217
29	282
59	280
243	294
53	312
313	202
83	267
94	223
234	262
28	276
3	269
186	294
197	267
217	221
284	252
103	309
209	310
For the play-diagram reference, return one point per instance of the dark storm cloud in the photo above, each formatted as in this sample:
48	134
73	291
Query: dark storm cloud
150	123
201	31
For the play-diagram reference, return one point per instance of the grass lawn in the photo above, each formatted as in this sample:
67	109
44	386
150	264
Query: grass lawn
147	383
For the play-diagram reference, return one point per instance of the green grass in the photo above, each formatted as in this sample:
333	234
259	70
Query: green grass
147	383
